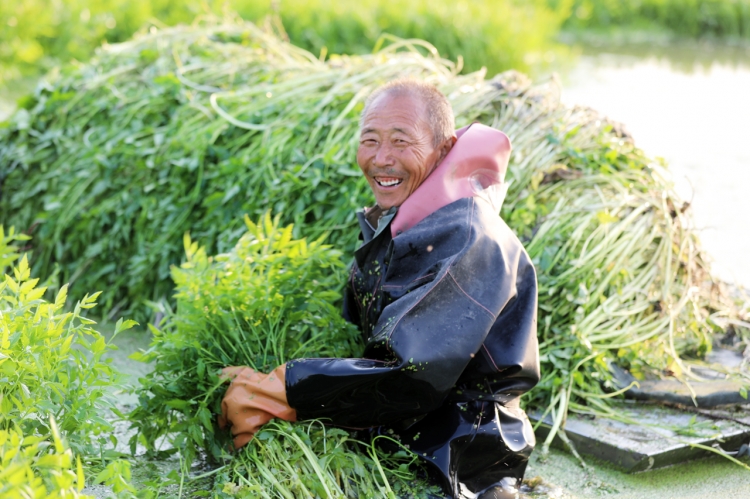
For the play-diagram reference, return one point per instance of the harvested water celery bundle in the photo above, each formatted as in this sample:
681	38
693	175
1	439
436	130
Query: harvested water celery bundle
269	300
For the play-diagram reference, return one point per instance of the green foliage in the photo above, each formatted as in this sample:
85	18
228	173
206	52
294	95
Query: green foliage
37	33
9	251
498	34
51	369
693	18
311	460
267	301
494	33
34	467
616	262
51	363
117	476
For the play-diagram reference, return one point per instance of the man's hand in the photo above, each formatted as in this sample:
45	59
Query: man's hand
252	400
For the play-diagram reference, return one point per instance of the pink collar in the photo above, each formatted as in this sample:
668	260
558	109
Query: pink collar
476	163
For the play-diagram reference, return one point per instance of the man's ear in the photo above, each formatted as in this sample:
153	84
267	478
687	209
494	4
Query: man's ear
446	147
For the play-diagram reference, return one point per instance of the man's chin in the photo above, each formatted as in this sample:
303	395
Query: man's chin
386	204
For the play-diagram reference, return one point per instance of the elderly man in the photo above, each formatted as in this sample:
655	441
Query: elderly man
445	297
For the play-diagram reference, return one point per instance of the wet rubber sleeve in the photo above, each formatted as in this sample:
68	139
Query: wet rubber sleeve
430	334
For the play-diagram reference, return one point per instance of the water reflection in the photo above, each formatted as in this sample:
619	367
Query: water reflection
690	104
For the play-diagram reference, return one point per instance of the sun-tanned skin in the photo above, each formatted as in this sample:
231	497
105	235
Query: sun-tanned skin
396	148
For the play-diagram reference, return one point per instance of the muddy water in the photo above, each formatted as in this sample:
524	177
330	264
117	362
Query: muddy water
690	104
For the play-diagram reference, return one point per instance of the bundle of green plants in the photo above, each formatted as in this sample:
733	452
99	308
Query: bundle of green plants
269	300
183	129
693	18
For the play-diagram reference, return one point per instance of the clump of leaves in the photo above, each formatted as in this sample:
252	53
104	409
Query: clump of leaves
52	370
267	301
8	250
35	467
52	363
43	467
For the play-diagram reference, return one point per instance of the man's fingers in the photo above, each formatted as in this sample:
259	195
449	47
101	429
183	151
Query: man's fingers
252	400
247	423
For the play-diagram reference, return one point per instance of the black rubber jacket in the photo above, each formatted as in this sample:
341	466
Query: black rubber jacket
448	313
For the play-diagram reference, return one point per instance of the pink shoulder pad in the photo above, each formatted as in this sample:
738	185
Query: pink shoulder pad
477	161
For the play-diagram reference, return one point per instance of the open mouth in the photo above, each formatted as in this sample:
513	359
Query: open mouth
388	181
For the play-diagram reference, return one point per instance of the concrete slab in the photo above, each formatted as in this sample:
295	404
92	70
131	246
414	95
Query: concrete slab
716	390
655	436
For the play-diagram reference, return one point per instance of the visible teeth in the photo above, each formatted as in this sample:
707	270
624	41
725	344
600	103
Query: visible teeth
388	183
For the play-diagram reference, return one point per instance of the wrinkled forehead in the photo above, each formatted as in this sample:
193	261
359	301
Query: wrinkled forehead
402	111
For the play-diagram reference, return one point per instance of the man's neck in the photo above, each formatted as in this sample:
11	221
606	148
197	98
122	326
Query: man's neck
373	216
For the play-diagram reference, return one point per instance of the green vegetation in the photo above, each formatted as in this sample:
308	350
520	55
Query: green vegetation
37	34
30	466
181	130
498	34
691	18
494	33
269	300
9	247
33	467
51	364
52	375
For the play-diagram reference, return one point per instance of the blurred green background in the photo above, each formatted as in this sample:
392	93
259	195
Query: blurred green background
499	34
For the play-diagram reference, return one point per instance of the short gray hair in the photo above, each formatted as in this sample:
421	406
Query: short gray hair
439	111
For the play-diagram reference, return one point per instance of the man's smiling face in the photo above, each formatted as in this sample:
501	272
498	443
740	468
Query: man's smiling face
396	148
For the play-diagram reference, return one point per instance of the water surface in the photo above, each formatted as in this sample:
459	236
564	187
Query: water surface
690	104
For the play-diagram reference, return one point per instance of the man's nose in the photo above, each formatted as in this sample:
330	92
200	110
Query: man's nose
383	155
